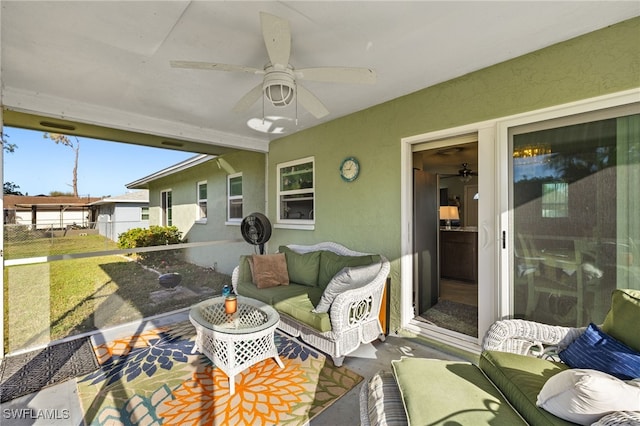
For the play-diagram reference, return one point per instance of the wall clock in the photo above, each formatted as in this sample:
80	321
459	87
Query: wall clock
349	169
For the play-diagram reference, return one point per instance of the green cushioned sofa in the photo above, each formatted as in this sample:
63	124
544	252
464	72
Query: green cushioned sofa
518	358
352	317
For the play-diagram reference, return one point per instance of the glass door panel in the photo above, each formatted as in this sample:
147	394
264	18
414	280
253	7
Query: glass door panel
575	191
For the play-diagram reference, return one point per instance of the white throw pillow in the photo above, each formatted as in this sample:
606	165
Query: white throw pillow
346	279
584	396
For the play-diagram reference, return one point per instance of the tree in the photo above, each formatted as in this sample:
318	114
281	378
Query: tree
66	141
9	147
11	188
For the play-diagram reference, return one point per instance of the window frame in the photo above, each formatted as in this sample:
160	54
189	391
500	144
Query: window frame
166	207
200	216
595	109
143	214
296	223
234	198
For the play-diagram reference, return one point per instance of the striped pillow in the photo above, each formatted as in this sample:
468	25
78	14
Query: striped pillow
620	418
385	406
596	350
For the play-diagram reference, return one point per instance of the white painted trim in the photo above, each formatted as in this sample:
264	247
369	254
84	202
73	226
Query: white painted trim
297	226
173	169
488	235
505	218
51	106
304	224
452	338
406	233
493	210
234	197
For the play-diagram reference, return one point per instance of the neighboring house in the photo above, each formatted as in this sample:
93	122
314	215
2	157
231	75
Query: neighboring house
46	212
206	197
115	215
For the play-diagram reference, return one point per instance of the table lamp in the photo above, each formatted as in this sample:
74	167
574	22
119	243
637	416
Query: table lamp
448	213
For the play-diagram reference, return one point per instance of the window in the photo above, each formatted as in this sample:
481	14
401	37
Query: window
165	204
296	191
555	199
202	201
234	202
144	213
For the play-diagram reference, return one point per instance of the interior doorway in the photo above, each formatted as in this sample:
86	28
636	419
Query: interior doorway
445	231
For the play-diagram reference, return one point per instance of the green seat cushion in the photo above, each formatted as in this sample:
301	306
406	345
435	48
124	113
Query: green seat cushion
439	392
520	378
303	268
299	307
294	300
332	263
623	318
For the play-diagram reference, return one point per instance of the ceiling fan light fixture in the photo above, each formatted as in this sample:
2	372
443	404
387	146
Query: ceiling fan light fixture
279	88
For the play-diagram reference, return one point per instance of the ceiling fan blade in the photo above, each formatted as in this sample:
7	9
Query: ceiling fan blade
215	67
249	99
310	102
338	75
277	38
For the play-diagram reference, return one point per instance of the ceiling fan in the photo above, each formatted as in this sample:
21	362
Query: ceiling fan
280	82
465	173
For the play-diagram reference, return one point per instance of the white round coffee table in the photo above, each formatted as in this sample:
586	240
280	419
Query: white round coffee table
236	341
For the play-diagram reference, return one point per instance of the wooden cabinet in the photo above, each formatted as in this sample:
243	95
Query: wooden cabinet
459	255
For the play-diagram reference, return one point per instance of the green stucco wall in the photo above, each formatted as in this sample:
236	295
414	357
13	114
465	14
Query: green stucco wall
365	214
215	172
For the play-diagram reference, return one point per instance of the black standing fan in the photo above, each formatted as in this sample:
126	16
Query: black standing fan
256	230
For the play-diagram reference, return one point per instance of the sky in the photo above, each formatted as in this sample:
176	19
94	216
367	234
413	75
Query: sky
40	166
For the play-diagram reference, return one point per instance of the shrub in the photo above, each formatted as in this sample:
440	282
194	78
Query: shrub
153	236
147	237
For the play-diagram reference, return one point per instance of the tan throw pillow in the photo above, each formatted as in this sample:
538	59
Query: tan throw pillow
269	270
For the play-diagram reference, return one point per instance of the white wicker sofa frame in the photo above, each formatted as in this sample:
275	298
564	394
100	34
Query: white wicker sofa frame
543	341
529	338
354	314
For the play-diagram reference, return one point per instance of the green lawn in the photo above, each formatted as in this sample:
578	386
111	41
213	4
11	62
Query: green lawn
48	301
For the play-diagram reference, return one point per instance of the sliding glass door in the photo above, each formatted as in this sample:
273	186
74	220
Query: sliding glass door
575	198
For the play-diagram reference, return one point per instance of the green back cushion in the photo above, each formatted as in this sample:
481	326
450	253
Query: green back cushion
520	379
303	268
623	318
331	264
244	269
447	392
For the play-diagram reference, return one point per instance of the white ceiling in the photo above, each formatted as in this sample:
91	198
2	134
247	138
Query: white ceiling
107	62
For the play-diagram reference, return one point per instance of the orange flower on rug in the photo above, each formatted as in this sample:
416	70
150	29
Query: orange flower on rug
153	378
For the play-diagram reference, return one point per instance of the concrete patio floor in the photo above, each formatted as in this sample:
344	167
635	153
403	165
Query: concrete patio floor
62	406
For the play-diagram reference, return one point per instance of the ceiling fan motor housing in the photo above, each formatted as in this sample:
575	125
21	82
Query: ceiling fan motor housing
279	86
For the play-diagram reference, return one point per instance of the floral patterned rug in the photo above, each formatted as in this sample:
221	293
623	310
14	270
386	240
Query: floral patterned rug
152	378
